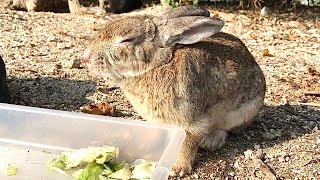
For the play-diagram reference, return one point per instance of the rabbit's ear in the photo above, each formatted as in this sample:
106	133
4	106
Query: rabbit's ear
188	30
183	11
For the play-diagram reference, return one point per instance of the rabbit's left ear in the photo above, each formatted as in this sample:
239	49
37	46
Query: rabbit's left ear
184	11
188	30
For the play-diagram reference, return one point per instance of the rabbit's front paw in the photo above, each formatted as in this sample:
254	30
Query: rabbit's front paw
184	162
181	168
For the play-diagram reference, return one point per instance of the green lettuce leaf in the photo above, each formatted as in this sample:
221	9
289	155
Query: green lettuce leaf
91	154
91	172
11	170
77	173
143	169
100	164
58	164
123	174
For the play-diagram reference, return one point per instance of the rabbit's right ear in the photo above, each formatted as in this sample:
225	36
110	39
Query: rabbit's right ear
188	30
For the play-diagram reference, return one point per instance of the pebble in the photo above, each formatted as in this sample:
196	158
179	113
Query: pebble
268	136
277	133
60	45
287	159
293	135
196	176
260	120
231	174
256	146
248	154
270	156
281	158
75	64
284	157
318	142
260	154
307	128
236	164
265	11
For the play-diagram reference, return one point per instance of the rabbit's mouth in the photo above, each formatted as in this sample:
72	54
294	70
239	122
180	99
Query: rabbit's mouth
85	60
87	57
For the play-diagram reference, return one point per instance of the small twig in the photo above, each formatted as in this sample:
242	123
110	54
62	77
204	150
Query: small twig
271	63
313	161
25	70
315	93
291	110
308	52
310	104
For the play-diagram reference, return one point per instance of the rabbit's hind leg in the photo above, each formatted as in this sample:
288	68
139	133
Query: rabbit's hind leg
234	121
214	140
239	119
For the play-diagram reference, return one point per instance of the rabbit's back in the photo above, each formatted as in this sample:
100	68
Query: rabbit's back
224	64
217	74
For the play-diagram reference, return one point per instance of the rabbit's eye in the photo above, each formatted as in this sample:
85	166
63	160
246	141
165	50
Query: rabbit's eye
128	40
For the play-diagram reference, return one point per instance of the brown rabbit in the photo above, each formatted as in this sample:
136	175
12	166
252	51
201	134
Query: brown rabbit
179	69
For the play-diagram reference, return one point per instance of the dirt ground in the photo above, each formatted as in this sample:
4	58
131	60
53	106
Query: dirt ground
41	51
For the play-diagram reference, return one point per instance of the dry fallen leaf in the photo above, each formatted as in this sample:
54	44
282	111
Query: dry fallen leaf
265	52
100	109
253	35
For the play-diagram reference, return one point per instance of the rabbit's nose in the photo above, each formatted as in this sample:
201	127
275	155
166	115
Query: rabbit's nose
87	56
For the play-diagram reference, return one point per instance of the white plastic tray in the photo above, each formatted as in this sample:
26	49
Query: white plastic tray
25	132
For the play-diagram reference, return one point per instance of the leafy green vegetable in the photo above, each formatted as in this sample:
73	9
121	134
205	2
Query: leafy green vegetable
86	155
143	169
91	172
77	173
11	170
58	164
107	170
100	165
124	173
115	166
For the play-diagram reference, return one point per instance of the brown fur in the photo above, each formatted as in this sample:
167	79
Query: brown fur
207	87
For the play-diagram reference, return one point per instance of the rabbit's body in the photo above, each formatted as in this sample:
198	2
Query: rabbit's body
208	88
186	93
179	69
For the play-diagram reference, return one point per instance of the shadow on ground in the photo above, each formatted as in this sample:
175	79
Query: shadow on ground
275	125
50	92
